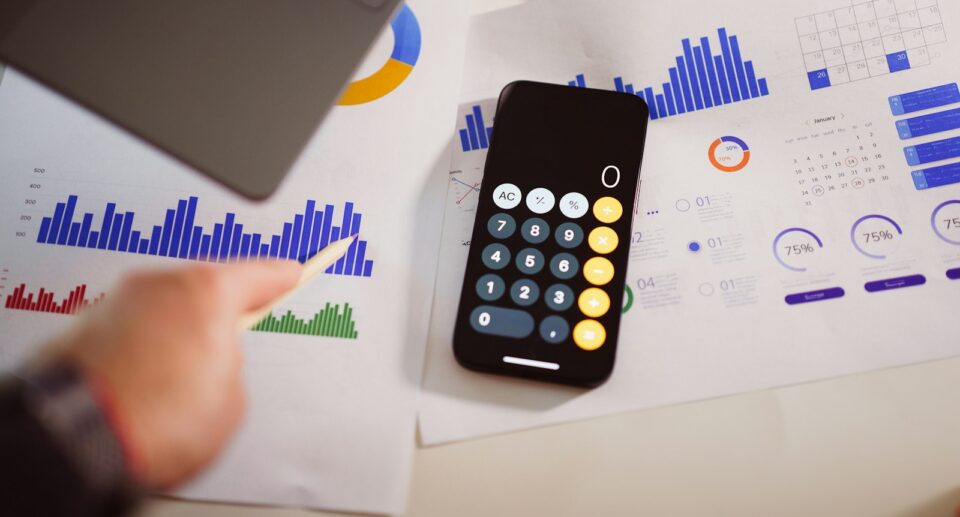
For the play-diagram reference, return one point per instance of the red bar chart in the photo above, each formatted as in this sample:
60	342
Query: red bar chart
45	301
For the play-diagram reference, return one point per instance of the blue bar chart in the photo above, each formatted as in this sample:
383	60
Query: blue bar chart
476	135
179	236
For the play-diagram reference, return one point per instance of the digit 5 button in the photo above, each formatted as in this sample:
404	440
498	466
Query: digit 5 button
589	335
593	302
598	271
607	210
603	240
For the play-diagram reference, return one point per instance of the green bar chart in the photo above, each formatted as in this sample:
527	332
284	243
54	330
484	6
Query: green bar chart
329	322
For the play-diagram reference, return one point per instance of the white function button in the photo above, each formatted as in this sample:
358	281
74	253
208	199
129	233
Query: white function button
574	205
506	196
540	200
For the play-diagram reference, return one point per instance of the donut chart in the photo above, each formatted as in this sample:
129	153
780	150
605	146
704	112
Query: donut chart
731	145
406	50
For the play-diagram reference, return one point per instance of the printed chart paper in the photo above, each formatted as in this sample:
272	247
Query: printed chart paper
333	375
799	209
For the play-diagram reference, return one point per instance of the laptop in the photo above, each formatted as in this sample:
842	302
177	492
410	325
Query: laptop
234	89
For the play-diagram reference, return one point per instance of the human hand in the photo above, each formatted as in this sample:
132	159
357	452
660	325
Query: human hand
165	349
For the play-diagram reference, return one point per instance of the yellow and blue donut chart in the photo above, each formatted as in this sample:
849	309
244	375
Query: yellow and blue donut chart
406	50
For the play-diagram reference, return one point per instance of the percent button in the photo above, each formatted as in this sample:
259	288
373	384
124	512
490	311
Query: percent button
574	205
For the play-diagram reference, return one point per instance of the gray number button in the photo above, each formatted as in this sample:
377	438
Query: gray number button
524	292
564	266
569	235
498	321
490	287
535	230
558	297
501	226
530	261
554	329
496	256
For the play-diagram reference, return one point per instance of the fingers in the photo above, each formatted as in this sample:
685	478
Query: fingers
251	285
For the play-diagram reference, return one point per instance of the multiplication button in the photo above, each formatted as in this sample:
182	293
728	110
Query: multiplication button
603	240
535	230
490	287
496	256
501	226
564	266
569	235
530	261
507	196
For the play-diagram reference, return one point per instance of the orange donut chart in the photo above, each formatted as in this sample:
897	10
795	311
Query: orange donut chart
712	154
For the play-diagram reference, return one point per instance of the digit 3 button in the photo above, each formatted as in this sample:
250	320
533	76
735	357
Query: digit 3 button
589	335
603	240
607	210
554	329
598	271
558	297
593	302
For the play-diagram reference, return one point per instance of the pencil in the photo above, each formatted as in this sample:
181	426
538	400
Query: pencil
313	267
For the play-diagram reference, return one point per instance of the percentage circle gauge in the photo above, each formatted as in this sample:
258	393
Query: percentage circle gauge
797	242
628	299
734	151
406	50
876	238
952	209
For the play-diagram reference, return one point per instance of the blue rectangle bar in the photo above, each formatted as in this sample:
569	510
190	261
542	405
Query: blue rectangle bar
668	96
334	237
274	246
215	242
927	98
144	245
115	232
953	273
195	237
350	258
308	215
478	120
125	231
651	103
367	268
814	296
661	106
165	234
684	84
105	226
285	240
618	84
738	67
472	132
929	124
67	219
188	227
933	151
178	228
629	88
255	244
55	227
691	68
728	64
936	176
264	250
245	246
235	240
464	140
315	234
204	247
898	61
702	77
490	134
711	71
44	230
361	255
134	243
722	79
894	283
762	83
752	80
94	239
74	234
154	240
85	229
327	221
228	225
677	95
581	81
295	237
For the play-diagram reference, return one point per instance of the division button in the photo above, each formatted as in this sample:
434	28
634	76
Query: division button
524	292
490	287
498	321
540	200
564	266
569	235
496	256
589	335
501	226
530	261
607	210
507	196
558	297
593	302
598	271
535	230
574	205
603	240
554	329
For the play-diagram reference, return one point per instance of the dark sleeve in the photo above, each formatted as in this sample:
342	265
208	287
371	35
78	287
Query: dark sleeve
58	453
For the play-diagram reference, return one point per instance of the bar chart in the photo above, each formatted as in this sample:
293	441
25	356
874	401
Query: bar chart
476	135
329	322
44	301
179	237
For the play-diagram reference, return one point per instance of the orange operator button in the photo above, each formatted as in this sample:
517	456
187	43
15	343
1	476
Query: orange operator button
594	302
589	335
603	240
607	210
598	271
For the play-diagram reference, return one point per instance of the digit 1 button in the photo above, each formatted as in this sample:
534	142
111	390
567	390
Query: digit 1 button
529	261
501	226
573	205
569	235
558	297
603	240
540	200
506	196
607	209
598	271
535	230
496	256
593	302
589	335
524	292
490	287
554	329
564	266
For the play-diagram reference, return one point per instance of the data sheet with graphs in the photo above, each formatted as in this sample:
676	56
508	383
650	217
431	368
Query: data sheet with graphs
799	207
333	373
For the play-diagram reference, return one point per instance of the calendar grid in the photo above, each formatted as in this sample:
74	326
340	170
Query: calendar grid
868	39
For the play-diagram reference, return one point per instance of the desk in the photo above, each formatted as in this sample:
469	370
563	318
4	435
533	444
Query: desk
882	444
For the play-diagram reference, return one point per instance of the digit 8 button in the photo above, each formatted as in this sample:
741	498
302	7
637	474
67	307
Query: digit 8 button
589	335
607	210
535	230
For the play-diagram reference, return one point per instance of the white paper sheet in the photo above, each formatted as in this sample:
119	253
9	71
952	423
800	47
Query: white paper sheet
715	321
331	420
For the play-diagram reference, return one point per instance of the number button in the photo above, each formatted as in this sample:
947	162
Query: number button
501	226
603	240
607	210
496	256
569	235
530	261
554	329
574	205
598	271
507	196
589	335
498	321
558	297
593	302
564	266
535	230
540	200
490	287
524	292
